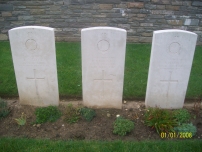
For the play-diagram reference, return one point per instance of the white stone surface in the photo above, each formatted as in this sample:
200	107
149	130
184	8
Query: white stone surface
170	65
34	59
103	60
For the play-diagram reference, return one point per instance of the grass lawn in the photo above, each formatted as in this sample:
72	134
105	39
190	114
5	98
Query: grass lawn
69	71
33	145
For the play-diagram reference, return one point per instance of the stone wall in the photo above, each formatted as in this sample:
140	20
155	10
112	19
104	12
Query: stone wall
139	17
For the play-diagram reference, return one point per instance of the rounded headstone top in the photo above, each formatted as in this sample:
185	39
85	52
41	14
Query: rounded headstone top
103	28
173	31
32	27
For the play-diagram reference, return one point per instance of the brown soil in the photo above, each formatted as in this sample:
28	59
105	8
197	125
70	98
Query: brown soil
100	128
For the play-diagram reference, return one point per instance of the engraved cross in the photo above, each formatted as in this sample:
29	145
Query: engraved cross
36	79
169	81
103	79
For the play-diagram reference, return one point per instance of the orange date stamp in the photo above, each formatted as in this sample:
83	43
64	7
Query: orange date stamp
176	135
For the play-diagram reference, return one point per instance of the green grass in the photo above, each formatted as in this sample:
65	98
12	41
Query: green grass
8	86
195	81
136	70
34	145
69	71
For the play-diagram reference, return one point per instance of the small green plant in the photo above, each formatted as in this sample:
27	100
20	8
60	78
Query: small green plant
186	128
182	115
87	113
4	111
123	126
22	120
45	114
72	114
161	120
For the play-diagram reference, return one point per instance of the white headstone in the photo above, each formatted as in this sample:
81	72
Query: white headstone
103	60
170	65
34	59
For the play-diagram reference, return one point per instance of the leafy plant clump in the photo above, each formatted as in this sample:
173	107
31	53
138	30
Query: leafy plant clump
161	120
47	114
87	113
72	114
123	126
182	115
22	120
4	111
186	128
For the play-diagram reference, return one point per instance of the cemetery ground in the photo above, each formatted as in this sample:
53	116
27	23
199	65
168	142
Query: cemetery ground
96	135
70	89
100	128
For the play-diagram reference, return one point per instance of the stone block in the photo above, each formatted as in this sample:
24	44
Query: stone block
59	25
47	20
146	24
71	20
78	25
105	6
34	60
1	19
6	14
85	20
170	7
191	22
145	39
3	37
11	18
131	32
25	18
86	15
89	1
37	12
135	23
102	20
141	15
19	13
170	65
164	12
150	6
56	8
119	20
103	59
175	22
176	3
38	3
70	29
124	26
144	11
100	16
45	16
114	15
197	3
133	39
64	2
6	7
77	2
155	16
147	34
161	7
53	12
135	5
186	3
87	7
108	1
161	1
